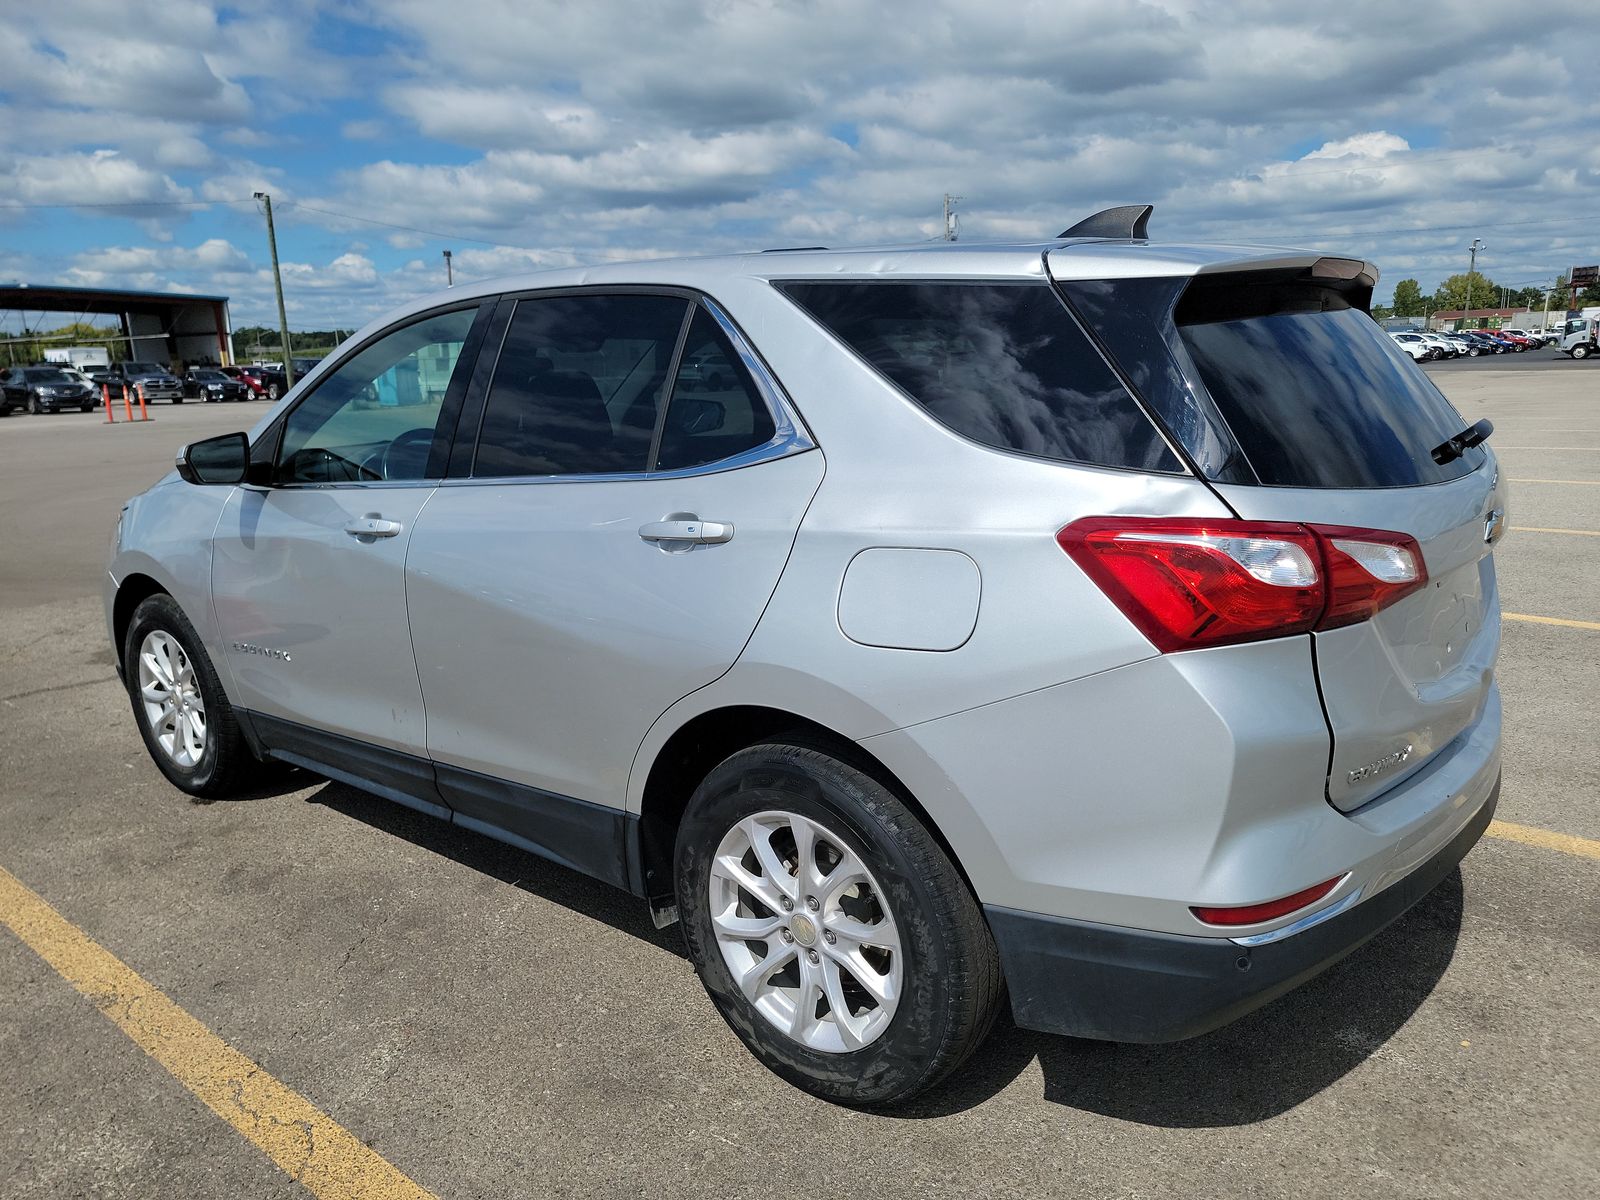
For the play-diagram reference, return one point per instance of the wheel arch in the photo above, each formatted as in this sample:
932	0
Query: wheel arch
133	591
705	740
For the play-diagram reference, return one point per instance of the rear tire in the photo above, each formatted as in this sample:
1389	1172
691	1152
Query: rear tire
172	686
912	1013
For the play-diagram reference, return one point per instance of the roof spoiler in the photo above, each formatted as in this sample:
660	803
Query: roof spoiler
1128	221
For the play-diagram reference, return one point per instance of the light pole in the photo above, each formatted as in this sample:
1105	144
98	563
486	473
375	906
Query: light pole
950	218
1472	266
277	283
449	272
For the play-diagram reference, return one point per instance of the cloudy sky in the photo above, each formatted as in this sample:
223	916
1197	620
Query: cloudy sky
522	133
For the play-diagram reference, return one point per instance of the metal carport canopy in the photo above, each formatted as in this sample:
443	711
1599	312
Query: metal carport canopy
164	326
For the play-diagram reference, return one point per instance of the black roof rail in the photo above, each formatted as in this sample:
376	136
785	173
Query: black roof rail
1128	221
787	249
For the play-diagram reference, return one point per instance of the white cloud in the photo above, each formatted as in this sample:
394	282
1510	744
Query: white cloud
607	129
102	177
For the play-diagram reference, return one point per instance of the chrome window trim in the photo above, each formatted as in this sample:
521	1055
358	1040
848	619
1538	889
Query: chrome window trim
789	436
766	452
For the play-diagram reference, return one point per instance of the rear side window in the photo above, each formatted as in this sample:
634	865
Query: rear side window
715	411
1313	391
1003	364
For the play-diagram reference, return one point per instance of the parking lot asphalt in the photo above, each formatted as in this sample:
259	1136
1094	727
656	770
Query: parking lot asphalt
493	1025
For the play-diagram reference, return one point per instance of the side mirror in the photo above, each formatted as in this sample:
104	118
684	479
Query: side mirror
224	460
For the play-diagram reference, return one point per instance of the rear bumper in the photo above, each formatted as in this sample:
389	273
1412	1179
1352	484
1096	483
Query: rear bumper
1101	981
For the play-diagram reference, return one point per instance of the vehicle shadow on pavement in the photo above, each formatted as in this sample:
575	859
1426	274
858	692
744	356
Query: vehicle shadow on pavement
269	785
509	864
1256	1068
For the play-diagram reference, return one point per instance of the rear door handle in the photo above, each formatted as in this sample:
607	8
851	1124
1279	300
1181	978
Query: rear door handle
694	532
372	526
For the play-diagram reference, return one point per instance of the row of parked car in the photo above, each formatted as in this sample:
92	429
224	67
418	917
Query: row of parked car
57	387
1425	347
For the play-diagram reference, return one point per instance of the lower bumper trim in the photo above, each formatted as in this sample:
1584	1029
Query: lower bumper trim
1126	985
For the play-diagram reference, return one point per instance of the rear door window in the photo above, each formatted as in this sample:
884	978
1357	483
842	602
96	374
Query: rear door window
1004	364
578	385
1313	391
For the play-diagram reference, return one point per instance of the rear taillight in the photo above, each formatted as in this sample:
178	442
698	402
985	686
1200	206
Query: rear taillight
1254	914
1368	570
1188	582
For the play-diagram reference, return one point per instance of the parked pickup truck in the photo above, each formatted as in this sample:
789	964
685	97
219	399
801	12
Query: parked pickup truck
156	382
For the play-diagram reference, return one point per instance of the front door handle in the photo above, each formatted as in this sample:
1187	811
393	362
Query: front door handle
372	526
691	531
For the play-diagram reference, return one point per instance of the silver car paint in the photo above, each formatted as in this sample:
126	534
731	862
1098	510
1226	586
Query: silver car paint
289	577
1421	671
1076	771
550	636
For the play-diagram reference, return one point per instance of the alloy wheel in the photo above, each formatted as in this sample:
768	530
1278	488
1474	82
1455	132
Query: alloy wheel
170	692
806	932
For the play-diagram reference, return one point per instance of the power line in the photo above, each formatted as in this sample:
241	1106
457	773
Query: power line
128	204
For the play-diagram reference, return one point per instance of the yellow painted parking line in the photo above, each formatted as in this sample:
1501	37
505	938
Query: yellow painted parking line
1562	621
1566	843
1584	482
1546	529
310	1146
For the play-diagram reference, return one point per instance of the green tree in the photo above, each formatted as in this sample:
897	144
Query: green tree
1408	300
1452	293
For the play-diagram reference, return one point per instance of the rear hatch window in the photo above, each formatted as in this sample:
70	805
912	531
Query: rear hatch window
1300	409
1315	394
1005	365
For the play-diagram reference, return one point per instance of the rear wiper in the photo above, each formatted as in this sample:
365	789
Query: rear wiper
1454	448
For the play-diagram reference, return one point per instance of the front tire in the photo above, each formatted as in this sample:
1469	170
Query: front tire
1580	352
830	928
183	715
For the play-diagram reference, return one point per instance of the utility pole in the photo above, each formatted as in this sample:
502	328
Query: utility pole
449	273
950	218
1472	266
277	283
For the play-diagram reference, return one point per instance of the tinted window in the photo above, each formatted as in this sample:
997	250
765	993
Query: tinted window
375	416
1316	394
1002	364
46	375
578	385
715	410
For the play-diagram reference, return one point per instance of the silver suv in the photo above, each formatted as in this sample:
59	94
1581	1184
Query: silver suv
1101	626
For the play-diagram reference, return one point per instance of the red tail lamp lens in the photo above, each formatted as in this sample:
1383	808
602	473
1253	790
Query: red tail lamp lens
1254	914
1189	582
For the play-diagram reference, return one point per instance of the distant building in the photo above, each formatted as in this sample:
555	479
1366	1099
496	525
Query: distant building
1488	318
